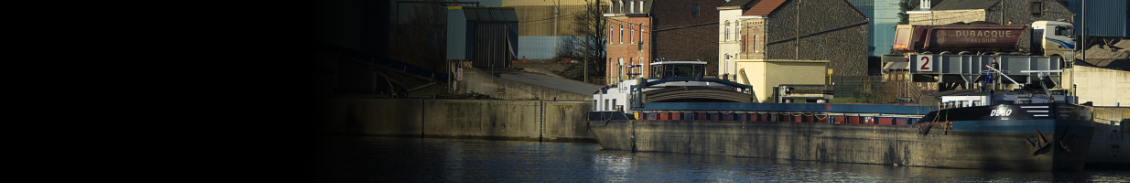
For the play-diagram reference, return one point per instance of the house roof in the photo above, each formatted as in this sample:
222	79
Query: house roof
742	3
765	7
964	4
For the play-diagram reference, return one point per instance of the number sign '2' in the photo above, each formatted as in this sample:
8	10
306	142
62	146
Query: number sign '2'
924	63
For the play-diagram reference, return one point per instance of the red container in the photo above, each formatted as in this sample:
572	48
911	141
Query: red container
853	119
885	121
838	119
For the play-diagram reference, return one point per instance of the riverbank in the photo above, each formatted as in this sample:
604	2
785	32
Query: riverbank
535	120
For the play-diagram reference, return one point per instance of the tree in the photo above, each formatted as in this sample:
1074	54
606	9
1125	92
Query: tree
904	6
420	33
589	44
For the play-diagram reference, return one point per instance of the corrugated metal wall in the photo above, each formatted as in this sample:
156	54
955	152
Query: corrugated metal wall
885	19
489	36
1105	18
490	44
883	15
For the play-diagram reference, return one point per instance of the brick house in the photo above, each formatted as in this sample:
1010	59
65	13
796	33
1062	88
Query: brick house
1015	12
686	30
831	30
629	39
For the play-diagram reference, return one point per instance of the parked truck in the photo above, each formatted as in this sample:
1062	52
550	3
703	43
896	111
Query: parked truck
1048	39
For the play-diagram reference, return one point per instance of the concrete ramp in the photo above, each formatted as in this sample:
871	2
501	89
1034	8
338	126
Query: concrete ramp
516	85
568	85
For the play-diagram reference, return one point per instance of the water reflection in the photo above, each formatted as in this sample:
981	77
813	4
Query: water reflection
388	159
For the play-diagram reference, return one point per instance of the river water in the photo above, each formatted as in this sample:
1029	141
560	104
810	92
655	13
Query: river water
396	159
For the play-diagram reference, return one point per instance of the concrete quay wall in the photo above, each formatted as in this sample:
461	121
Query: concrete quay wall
869	144
1111	143
524	120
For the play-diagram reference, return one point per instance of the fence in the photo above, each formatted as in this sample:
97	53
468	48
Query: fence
873	89
598	81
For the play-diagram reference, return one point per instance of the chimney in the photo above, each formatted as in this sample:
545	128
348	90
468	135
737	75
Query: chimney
924	4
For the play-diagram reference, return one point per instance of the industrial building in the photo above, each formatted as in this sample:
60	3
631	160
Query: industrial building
1104	18
883	15
488	37
544	25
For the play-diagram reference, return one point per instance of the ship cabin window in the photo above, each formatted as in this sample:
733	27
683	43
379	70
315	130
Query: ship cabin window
613	102
605	104
657	71
683	70
594	104
1063	31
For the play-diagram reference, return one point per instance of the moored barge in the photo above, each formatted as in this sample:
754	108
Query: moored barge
1013	131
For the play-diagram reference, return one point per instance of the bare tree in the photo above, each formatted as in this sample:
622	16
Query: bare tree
419	34
589	43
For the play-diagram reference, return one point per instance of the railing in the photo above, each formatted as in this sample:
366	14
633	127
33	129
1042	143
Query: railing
598	81
380	61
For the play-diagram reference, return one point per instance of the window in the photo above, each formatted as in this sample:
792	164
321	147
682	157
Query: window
620	69
631	35
726	66
641	35
632	6
613	103
694	10
1063	31
683	70
609	34
610	5
621	6
757	44
1037	8
727	31
605	104
621	35
595	104
639	69
738	27
641	6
